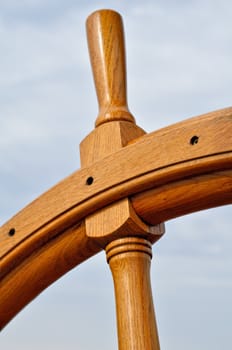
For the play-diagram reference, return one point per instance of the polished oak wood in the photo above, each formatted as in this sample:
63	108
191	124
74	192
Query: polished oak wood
153	160
129	260
186	196
137	180
129	257
47	262
107	54
163	159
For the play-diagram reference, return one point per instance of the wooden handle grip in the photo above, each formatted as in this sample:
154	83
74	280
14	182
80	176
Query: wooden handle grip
129	259
107	54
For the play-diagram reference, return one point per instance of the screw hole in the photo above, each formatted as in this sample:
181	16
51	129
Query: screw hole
194	140
89	181
11	232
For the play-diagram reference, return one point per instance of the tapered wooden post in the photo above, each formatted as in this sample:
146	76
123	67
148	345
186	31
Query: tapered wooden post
127	183
117	227
107	54
129	260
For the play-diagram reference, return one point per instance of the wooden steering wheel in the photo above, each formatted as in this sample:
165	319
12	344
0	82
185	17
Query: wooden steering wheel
128	185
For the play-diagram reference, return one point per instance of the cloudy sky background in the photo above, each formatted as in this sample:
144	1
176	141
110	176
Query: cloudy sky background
179	65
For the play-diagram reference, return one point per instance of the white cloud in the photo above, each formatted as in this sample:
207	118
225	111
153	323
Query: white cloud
178	65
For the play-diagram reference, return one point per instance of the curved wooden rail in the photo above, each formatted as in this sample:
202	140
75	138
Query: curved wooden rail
128	183
47	238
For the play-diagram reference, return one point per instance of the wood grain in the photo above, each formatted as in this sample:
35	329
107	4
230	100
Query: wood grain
120	220
42	267
168	173
107	53
129	260
156	159
106	139
173	178
183	197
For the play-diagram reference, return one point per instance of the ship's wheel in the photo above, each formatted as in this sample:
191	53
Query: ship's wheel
128	185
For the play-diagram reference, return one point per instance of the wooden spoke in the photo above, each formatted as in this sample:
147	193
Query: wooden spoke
129	184
107	54
201	175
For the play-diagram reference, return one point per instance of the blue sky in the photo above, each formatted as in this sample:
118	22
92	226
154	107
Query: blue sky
179	65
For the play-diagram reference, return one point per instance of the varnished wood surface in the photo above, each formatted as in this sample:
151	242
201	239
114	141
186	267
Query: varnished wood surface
107	54
183	197
153	160
156	163
129	260
119	220
190	159
107	139
44	265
